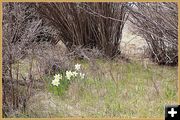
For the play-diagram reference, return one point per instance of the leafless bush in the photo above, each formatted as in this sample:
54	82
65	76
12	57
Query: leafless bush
158	24
20	25
87	24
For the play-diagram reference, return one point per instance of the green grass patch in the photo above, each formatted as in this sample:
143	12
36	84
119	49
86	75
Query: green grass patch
112	89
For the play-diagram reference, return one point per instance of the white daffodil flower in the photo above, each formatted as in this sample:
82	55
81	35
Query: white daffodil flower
82	75
74	73
55	82
58	77
69	74
77	67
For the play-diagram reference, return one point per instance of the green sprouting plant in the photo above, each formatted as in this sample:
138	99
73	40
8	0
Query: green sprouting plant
62	80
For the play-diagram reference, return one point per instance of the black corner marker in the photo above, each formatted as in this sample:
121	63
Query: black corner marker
172	112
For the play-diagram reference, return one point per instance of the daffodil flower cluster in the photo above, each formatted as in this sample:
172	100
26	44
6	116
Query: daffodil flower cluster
69	75
56	80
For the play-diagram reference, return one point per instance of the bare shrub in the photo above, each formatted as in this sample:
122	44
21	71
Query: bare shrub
158	24
21	24
87	24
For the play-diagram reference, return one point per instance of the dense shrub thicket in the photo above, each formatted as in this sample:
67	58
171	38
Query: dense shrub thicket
158	24
17	21
21	27
88	24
